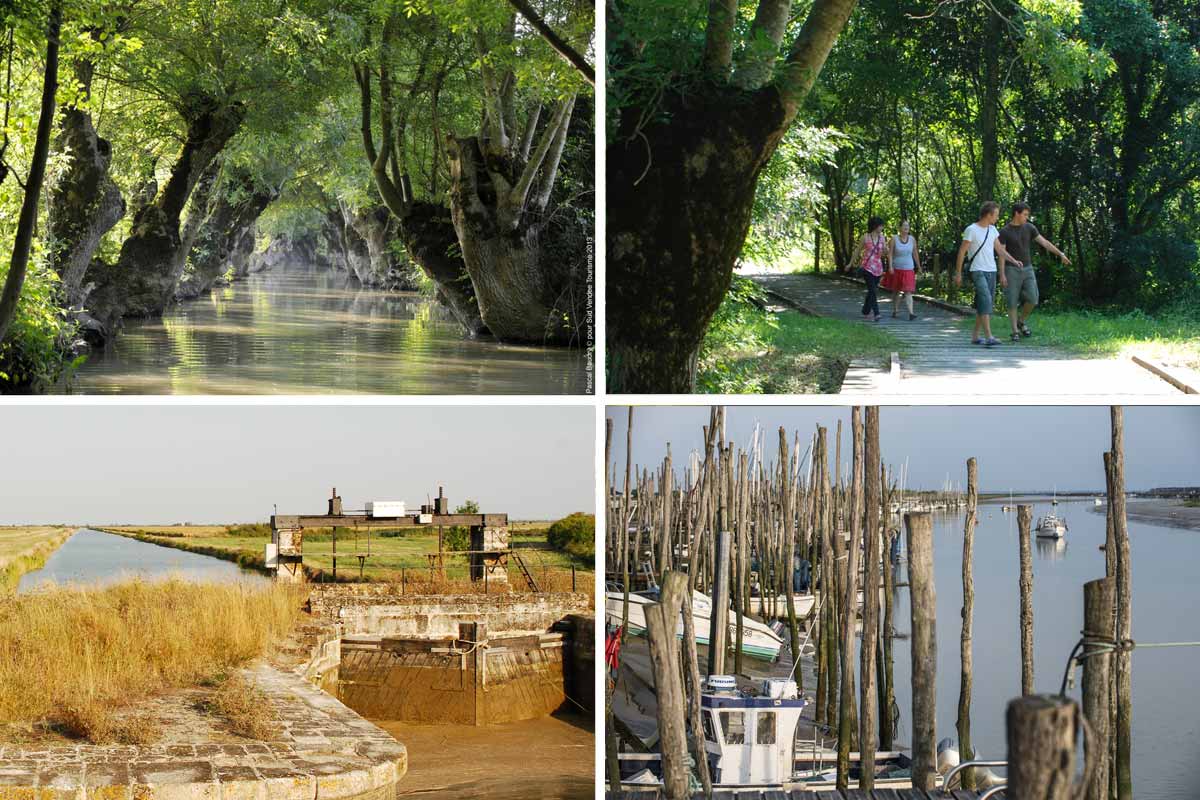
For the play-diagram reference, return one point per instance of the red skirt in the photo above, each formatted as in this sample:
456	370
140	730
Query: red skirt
900	280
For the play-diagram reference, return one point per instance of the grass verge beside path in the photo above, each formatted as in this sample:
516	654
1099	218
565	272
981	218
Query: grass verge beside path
1173	337
74	658
26	548
750	349
388	557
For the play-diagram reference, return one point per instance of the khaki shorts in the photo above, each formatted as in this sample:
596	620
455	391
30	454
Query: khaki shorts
1022	287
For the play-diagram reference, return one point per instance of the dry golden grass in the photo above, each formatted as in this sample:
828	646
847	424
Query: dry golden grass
244	707
71	657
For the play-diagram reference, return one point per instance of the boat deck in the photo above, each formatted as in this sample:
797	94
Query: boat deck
800	794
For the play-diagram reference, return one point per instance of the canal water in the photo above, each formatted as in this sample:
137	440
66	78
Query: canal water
1166	608
311	332
92	557
552	758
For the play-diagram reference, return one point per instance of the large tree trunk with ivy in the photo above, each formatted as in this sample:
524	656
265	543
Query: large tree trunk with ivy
233	209
83	201
143	280
682	172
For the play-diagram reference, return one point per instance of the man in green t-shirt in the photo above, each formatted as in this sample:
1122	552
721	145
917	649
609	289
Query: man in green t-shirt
1021	293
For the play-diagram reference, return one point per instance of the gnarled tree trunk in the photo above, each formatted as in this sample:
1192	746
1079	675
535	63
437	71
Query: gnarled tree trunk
504	262
682	172
678	214
83	201
233	210
143	281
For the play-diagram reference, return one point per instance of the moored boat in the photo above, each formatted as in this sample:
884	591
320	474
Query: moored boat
758	639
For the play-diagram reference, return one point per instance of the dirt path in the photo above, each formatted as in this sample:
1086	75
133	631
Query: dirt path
939	358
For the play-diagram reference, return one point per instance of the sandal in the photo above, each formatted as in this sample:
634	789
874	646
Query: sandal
1025	330
1016	337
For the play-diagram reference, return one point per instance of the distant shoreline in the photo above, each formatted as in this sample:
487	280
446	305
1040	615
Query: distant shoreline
1171	513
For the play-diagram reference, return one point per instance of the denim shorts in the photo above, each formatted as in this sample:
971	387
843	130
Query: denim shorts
985	291
1022	285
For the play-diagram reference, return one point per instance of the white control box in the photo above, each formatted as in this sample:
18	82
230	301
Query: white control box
385	508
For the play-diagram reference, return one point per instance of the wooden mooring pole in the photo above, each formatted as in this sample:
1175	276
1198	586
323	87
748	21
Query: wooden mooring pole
1124	679
968	611
849	606
1098	631
1042	731
924	649
662	619
868	694
718	631
1025	586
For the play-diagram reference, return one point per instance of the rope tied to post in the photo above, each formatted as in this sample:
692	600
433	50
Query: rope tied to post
1092	644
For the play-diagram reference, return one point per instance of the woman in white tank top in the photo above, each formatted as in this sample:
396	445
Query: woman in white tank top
904	261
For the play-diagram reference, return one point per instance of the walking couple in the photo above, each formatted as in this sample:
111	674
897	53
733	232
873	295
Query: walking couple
981	245
899	275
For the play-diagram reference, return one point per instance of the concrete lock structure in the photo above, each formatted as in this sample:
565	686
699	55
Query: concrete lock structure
458	659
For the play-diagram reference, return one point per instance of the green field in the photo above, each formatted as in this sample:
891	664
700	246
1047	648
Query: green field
386	557
26	548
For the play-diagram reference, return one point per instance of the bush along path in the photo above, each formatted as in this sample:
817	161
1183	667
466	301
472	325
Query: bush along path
939	359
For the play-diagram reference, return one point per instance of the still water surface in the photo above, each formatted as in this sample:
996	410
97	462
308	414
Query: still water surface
1166	607
309	332
91	557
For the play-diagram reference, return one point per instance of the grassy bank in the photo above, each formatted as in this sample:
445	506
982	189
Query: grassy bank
73	659
751	350
25	548
1173	336
390	556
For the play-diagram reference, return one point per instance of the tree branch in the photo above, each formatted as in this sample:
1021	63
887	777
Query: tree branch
718	38
766	33
520	192
559	44
541	197
810	49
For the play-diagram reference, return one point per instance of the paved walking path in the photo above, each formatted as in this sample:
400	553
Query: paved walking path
939	358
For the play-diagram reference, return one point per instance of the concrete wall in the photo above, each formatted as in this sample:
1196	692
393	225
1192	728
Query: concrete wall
378	610
492	682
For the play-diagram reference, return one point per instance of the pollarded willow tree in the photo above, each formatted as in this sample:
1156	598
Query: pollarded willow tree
697	112
521	283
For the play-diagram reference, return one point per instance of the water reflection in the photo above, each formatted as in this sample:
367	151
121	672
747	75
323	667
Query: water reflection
303	332
96	558
1164	560
1050	549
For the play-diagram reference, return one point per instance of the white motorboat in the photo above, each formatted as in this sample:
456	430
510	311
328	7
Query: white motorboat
758	639
1051	526
752	740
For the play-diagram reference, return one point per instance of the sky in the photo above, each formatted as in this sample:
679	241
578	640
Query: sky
155	464
1018	448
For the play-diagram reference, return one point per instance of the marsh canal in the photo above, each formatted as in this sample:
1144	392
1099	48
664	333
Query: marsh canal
92	557
311	332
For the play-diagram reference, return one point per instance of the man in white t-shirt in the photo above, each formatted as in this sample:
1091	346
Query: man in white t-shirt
981	246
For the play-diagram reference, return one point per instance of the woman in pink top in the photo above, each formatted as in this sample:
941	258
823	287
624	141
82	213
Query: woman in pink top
872	247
